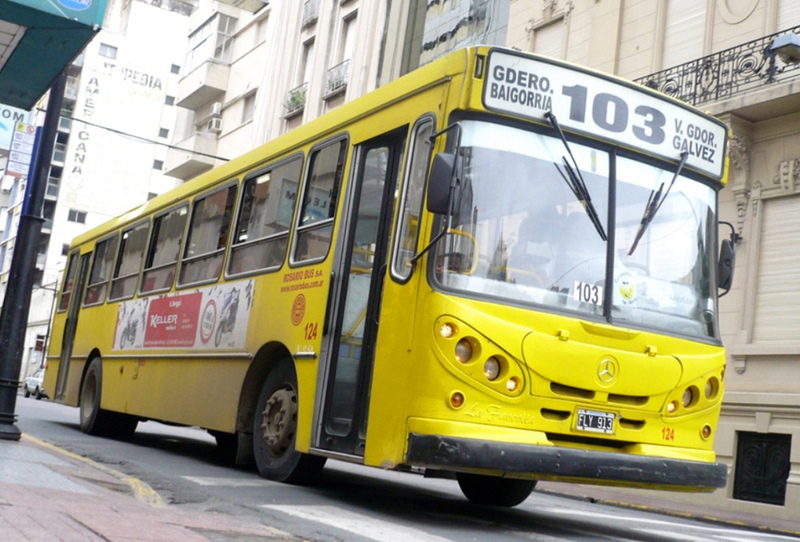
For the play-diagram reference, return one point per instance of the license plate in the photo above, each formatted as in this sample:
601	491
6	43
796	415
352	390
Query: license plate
594	421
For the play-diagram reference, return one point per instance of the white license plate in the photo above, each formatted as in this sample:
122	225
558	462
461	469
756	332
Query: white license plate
594	421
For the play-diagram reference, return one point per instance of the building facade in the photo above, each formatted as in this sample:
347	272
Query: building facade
117	116
722	57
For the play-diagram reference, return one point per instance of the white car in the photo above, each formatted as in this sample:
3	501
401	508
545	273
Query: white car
33	385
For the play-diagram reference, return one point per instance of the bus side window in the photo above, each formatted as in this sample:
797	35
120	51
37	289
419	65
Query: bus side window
207	237
413	195
262	230
69	281
129	262
318	208
162	256
104	253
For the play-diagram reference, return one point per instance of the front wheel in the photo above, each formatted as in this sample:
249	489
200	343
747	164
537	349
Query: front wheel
275	430
494	491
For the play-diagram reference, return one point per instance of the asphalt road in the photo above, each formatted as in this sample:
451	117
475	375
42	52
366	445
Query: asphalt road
350	502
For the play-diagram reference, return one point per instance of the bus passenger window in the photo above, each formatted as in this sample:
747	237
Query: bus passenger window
413	192
69	281
320	194
104	253
162	256
129	262
207	237
262	231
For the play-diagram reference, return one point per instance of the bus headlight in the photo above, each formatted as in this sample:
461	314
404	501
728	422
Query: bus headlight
491	369
463	350
688	397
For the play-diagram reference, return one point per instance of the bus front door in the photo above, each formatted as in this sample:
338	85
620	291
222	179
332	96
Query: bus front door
73	308
361	266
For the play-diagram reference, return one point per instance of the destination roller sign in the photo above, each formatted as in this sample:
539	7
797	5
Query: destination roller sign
604	108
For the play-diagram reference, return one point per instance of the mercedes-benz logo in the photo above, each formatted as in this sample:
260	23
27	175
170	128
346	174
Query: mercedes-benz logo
607	370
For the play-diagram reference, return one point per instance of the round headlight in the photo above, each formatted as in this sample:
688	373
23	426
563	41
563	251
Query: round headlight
672	407
712	387
491	369
463	350
688	397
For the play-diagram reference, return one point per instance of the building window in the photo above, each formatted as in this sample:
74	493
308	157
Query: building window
170	100
108	51
212	41
158	164
248	107
762	467
175	69
77	216
163	132
548	40
151	195
64	249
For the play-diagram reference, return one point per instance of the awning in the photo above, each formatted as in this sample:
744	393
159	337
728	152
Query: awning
38	38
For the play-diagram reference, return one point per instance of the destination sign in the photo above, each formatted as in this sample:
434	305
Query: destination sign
604	108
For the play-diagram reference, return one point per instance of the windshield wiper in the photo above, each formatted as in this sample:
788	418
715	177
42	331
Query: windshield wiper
574	179
654	203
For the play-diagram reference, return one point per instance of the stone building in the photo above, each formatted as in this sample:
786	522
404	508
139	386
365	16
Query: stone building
738	61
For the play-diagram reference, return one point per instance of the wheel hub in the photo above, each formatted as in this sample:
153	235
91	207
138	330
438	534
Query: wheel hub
279	421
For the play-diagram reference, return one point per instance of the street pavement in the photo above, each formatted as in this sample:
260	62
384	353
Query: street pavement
47	493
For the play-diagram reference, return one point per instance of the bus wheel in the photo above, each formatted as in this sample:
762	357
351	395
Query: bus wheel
275	428
494	491
95	420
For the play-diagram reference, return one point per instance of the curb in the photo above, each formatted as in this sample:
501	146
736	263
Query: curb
141	491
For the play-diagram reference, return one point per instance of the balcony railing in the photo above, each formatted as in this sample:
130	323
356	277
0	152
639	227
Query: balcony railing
336	79
746	67
310	13
296	100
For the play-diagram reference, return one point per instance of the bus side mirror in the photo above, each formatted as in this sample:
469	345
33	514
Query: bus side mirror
443	173
727	260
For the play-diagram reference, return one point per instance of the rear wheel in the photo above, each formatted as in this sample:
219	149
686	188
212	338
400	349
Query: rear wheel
494	491
95	420
275	430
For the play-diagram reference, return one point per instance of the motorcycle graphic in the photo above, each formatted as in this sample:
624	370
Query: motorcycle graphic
129	331
227	319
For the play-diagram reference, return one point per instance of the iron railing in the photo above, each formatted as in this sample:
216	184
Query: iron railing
724	74
296	100
310	13
336	79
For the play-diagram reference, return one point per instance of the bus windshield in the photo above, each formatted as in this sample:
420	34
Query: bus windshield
521	233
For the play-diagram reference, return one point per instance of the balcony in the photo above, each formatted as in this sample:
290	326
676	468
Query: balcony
731	73
203	85
310	13
295	101
336	80
185	162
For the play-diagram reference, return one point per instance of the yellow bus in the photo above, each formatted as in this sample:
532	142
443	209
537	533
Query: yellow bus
499	268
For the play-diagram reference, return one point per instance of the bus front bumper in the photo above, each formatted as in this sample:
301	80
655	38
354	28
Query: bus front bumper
515	460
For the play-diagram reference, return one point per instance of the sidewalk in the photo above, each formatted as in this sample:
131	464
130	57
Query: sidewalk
50	494
47	493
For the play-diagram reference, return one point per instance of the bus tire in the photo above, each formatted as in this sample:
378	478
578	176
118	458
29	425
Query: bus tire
275	430
493	490
95	420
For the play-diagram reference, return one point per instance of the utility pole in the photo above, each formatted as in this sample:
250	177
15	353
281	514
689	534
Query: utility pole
16	305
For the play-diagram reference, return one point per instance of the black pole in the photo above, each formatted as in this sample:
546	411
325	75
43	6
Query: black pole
16	305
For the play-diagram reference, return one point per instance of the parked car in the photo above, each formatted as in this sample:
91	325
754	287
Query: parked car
33	385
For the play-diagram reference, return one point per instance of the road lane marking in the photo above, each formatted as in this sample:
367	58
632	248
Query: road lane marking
220	481
365	526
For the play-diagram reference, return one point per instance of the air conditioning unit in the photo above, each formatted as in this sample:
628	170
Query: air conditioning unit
216	109
214	125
